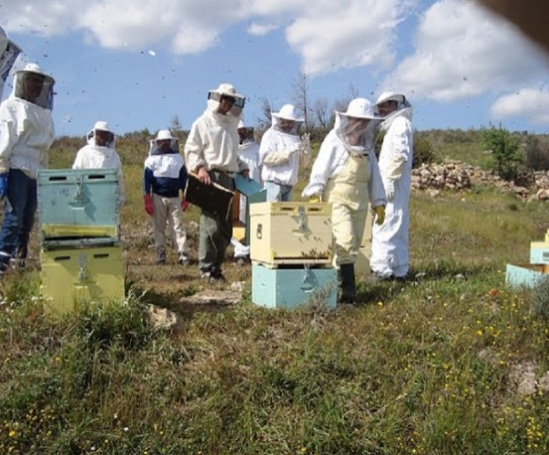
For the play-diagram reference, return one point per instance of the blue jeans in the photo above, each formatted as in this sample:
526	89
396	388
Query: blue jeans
277	192
18	216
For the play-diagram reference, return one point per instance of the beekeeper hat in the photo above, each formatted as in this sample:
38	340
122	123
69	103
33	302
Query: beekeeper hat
228	90
164	135
102	126
288	112
361	108
390	96
35	68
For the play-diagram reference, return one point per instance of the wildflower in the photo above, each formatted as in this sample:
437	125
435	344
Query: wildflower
12	433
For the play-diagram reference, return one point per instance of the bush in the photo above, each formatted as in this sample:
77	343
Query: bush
505	149
540	299
537	153
423	151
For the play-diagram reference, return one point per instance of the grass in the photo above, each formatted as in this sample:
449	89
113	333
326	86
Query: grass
427	367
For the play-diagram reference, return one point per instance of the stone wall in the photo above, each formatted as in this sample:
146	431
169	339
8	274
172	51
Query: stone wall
455	175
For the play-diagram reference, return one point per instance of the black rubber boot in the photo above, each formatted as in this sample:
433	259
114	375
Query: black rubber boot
348	284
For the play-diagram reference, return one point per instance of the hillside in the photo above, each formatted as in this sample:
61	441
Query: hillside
451	362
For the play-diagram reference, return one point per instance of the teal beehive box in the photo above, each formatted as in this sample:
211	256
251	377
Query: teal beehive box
78	203
291	288
525	275
539	253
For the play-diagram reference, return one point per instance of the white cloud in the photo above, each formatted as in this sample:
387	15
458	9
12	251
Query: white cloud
531	103
336	35
329	36
257	29
462	51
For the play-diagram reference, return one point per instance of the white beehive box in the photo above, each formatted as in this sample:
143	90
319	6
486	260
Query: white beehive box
291	233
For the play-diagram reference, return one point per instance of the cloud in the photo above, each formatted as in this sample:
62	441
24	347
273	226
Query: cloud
261	29
460	50
531	103
463	51
350	34
329	36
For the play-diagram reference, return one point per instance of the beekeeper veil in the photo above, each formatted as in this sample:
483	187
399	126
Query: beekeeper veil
245	133
287	120
163	136
8	54
101	136
33	85
356	127
227	93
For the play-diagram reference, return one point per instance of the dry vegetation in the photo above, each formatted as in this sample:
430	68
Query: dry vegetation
452	362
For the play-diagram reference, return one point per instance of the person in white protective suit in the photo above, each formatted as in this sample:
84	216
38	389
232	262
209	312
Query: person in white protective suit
211	152
346	174
26	135
282	151
390	241
100	153
8	54
164	177
248	152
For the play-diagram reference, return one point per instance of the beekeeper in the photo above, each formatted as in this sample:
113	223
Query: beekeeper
346	174
248	152
26	134
164	177
282	151
390	242
211	152
8	54
100	153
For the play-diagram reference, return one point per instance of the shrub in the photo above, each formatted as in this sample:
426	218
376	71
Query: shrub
537	153
540	299
423	151
505	149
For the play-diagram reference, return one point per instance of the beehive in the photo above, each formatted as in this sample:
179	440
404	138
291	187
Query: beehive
290	233
291	288
69	275
78	203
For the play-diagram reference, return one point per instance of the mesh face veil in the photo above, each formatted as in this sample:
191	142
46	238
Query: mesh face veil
228	92
35	87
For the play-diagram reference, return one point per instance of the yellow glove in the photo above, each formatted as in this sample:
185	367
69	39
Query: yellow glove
380	214
315	199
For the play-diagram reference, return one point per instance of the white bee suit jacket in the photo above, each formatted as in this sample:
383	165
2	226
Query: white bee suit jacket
330	162
213	142
280	155
390	241
92	156
26	134
248	152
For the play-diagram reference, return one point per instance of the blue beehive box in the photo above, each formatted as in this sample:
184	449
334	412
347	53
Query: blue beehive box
78	203
539	253
293	287
246	186
254	192
525	275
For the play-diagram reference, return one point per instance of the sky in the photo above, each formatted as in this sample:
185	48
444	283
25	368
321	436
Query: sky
138	64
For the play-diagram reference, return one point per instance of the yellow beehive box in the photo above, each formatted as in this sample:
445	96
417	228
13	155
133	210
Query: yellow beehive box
70	275
290	233
539	252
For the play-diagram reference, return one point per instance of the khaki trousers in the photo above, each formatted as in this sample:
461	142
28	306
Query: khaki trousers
168	210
